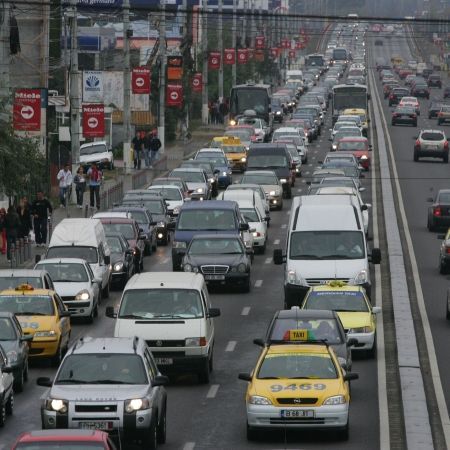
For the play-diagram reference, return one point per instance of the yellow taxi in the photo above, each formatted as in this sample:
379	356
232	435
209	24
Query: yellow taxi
362	113
397	60
353	307
41	313
234	149
298	385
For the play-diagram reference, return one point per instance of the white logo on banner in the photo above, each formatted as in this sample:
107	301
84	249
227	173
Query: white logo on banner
93	86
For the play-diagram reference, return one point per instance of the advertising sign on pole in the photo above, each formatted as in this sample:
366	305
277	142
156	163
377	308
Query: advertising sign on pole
140	80
27	110
93	120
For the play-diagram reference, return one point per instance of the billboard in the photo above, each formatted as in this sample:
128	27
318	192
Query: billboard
93	86
27	110
93	120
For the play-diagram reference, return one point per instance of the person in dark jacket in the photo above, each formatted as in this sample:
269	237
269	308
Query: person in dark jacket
23	210
40	210
12	227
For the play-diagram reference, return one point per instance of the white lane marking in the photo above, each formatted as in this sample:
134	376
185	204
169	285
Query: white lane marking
258	283
231	346
245	311
284	225
276	242
213	391
189	446
268	261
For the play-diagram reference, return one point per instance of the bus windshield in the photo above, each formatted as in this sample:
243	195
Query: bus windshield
349	97
254	98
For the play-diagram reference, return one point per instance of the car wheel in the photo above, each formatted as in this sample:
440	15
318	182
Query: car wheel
162	428
9	407
90	318
343	434
289	194
252	434
416	155
429	116
445	158
147	249
19	380
203	375
154	245
2	414
56	360
105	291
150	442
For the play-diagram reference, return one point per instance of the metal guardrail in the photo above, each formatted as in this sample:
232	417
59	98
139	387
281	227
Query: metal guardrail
111	196
20	252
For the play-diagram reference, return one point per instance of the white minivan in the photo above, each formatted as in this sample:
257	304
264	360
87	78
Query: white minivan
325	241
172	312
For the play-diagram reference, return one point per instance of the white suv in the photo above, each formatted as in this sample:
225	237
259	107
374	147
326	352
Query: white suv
97	152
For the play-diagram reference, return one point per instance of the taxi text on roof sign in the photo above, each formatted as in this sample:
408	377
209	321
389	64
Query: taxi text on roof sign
24	287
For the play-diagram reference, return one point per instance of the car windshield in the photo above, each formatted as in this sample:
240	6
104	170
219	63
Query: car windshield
62	272
223	246
256	123
127	229
266	161
233	148
89	254
318	329
190	177
102	368
93	149
243	134
27	305
444	197
405	110
264	179
337	301
168	193
14	281
216	161
63	444
347	132
7	330
346	182
170	181
250	214
430	136
161	304
349	171
296	366
352	145
207	220
154	206
114	244
314	245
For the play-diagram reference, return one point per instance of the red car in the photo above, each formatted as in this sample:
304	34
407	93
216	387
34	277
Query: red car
359	146
57	439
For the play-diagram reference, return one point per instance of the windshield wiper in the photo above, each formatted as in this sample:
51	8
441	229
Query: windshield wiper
71	381
337	257
307	257
109	382
300	378
67	281
131	316
168	316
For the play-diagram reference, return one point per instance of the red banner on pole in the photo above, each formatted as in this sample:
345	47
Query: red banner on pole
140	80
229	56
214	60
174	95
197	82
242	56
274	52
291	53
27	110
285	43
260	42
93	120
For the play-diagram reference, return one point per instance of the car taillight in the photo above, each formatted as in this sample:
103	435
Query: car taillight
417	142
447	250
413	116
437	211
395	115
446	144
440	114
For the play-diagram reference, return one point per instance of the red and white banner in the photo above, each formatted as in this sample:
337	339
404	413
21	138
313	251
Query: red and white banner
140	80
197	82
214	60
93	120
229	56
292	54
298	45
274	52
285	43
242	54
260	42
27	110
174	95
259	55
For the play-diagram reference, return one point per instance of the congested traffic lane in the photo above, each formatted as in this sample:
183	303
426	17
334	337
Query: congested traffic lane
418	181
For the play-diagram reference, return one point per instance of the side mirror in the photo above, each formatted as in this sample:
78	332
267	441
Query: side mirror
171	226
141	230
44	381
375	256
213	312
243	226
245	376
278	257
110	312
259	342
351	342
361	189
65	314
128	252
376	309
351	376
26	338
160	380
429	200
107	259
37	258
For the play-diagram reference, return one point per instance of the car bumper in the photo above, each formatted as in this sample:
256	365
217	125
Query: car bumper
80	308
432	153
275	201
170	362
43	347
224	181
324	417
404	121
229	279
365	340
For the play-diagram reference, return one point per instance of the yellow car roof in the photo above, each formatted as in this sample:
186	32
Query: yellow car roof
296	348
227	140
354	111
337	286
27	290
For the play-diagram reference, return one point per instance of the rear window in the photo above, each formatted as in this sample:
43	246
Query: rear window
429	136
13	282
207	220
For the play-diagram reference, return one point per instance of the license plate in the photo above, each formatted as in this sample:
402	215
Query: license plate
164	361
297	413
95	425
432	147
215	277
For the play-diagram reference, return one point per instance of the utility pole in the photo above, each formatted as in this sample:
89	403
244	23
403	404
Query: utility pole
233	44
127	154
162	77
5	56
74	89
244	25
205	111
220	36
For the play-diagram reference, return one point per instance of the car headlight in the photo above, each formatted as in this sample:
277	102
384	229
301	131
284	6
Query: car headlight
283	180
243	159
178	244
224	174
187	268
161	224
49	333
241	268
12	357
361	277
199	190
272	193
278	113
195	342
118	267
335	400
367	329
334	146
136	404
212	180
176	210
259	400
364	157
83	295
294	278
232	123
54	404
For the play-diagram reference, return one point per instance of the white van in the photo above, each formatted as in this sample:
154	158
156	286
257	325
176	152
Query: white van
325	241
85	239
172	313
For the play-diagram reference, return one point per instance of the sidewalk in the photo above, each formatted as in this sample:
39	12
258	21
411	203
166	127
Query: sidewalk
113	189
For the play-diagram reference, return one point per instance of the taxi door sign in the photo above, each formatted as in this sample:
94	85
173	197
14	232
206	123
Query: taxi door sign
297	335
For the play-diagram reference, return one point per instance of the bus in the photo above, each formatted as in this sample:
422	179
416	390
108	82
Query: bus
345	96
340	54
315	60
250	96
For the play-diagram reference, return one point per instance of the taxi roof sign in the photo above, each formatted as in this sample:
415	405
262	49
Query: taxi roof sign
337	283
24	287
297	335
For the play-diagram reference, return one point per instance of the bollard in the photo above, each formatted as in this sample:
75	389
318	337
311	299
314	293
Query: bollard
86	211
50	228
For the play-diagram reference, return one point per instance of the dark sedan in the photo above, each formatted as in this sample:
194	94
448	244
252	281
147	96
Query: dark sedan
15	346
420	90
433	109
122	259
405	115
439	211
222	259
397	94
320	325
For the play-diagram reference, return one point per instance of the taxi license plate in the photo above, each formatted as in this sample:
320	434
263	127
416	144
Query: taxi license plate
164	361
96	425
215	277
288	413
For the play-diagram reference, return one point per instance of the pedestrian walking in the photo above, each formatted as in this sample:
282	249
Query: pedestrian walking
12	227
65	182
41	209
138	147
80	186
155	145
147	151
95	180
24	212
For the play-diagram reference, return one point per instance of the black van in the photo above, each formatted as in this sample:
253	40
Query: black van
274	157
